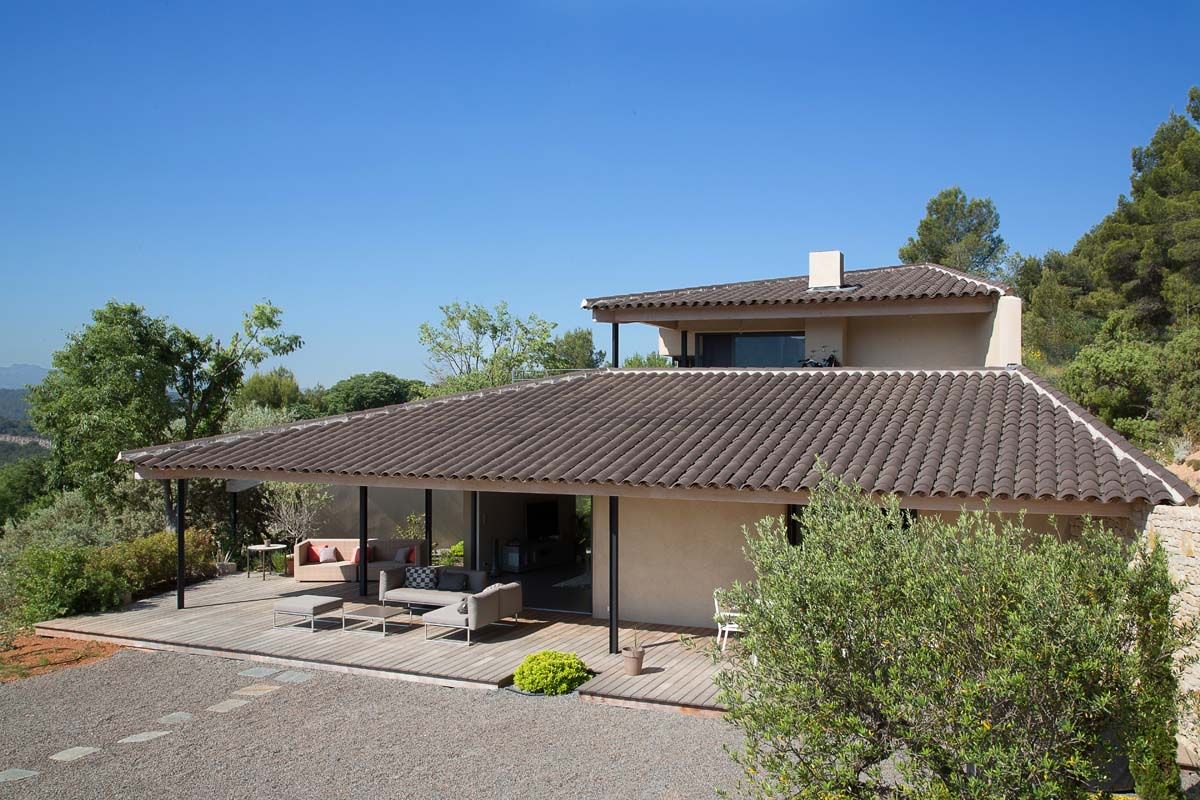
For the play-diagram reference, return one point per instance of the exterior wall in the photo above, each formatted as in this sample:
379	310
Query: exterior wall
941	341
825	336
1004	344
1178	529
919	341
673	554
386	508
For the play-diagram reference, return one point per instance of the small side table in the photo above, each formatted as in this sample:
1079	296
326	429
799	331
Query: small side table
262	550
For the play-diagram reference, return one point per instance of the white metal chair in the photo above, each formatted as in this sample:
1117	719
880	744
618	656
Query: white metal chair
727	621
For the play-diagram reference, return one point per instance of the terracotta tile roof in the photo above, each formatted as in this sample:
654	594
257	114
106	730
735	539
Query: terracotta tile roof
954	433
904	282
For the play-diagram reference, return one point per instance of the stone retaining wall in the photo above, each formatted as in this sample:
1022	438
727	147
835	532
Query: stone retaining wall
1178	529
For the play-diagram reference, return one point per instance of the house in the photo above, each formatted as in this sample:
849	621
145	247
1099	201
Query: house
928	402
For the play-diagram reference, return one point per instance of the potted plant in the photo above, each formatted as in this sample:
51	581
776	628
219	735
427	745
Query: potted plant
225	564
633	655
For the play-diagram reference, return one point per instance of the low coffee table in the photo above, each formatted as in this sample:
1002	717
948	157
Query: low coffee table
370	616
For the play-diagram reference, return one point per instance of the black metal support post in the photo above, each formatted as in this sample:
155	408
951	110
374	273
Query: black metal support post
616	345
683	343
233	521
180	555
474	530
793	530
429	526
362	540
614	626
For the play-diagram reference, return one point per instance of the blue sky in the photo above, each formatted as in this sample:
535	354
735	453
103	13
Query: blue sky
358	164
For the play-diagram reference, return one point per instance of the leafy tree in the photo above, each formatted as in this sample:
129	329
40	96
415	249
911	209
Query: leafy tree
1116	377
997	662
24	486
1177	395
275	389
639	360
207	374
1147	251
958	232
491	345
575	349
370	390
295	509
130	380
108	392
1051	322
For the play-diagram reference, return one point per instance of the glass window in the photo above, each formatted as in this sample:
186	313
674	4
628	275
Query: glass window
751	349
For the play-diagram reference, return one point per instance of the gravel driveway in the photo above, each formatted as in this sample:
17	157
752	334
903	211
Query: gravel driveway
337	736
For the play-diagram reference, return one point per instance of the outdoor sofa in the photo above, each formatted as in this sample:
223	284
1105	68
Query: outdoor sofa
385	554
496	602
392	587
484	605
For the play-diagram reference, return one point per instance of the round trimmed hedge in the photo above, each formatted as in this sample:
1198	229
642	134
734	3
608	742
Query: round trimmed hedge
551	672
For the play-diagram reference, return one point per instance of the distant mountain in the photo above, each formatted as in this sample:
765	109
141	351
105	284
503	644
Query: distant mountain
14	418
18	376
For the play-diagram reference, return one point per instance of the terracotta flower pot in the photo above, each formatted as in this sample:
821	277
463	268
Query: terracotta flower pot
289	566
633	660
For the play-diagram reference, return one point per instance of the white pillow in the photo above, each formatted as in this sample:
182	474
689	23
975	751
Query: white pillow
327	554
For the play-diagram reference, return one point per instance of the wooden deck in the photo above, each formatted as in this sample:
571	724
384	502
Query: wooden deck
231	617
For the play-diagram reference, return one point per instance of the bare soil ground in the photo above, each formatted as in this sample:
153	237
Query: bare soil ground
39	655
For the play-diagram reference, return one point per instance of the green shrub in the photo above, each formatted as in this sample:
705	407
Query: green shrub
551	672
1153	724
49	582
45	581
451	556
996	661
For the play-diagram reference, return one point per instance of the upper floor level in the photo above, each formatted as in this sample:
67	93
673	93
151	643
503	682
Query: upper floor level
910	316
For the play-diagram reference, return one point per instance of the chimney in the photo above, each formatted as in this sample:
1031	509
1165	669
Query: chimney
825	269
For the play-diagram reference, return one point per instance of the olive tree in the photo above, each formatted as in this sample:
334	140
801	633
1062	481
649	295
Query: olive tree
966	658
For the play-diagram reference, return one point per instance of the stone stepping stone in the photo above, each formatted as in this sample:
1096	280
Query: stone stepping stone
14	774
256	689
73	753
175	717
147	736
227	705
293	676
259	672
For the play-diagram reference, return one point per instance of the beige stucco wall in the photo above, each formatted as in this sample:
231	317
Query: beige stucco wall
673	554
825	336
941	341
1004	343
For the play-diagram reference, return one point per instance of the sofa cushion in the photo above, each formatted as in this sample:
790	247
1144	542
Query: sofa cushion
308	604
476	578
327	554
447	615
422	578
421	597
357	555
451	582
312	557
401	554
